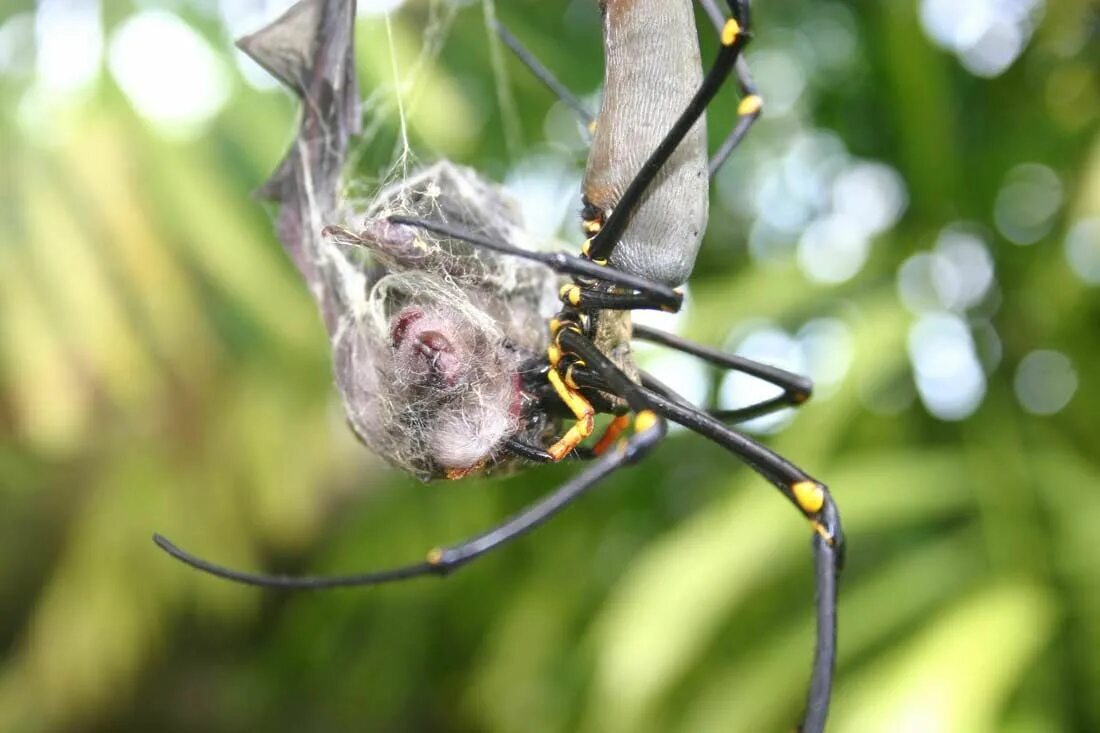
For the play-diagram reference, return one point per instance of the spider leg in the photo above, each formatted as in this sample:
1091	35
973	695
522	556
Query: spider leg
649	430
748	111
809	496
596	296
812	499
651	382
572	349
547	77
538	455
796	389
751	106
734	36
560	262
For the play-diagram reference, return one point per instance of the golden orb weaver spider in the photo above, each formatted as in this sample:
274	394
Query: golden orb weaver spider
434	319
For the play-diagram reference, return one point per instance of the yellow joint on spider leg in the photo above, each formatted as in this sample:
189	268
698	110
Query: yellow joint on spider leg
644	420
823	533
809	495
435	556
566	326
553	355
730	31
673	307
569	381
587	243
750	105
574	400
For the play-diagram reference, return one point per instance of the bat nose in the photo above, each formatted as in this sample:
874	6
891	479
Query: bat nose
440	356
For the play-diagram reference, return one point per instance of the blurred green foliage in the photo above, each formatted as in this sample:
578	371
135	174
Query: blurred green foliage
161	368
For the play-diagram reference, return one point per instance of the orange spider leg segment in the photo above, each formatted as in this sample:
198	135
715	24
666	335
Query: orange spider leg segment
614	429
581	408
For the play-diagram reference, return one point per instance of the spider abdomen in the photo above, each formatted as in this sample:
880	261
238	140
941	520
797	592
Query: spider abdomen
652	70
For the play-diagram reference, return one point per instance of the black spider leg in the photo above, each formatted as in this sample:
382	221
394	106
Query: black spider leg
594	295
649	430
808	495
796	388
539	455
734	36
544	75
560	262
652	383
828	539
748	110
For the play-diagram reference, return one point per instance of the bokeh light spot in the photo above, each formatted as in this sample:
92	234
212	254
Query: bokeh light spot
779	76
1027	202
544	186
1083	249
833	249
962	269
871	195
916	286
168	71
827	352
949	377
1045	382
69	40
987	36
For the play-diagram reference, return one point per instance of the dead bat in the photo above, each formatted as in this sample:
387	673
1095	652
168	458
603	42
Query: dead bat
430	336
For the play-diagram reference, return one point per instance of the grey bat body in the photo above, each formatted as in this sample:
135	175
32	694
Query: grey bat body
652	70
428	334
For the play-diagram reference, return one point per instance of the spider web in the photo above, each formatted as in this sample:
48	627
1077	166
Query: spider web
389	105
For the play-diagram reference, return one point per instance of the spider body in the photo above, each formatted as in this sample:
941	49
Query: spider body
641	102
652	69
442	354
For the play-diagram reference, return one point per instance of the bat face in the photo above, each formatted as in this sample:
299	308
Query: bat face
429	335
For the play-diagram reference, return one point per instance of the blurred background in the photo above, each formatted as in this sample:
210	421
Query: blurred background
915	222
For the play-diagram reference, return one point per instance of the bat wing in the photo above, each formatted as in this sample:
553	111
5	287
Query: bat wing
310	49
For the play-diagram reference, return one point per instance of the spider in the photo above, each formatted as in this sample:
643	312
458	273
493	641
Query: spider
444	368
